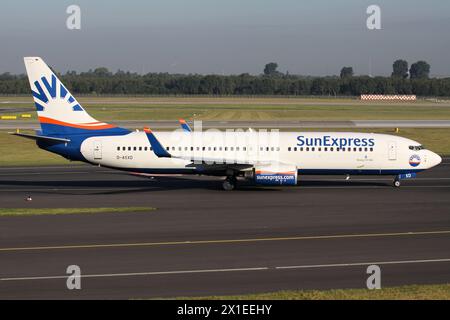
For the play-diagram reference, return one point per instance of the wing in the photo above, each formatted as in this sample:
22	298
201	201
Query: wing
185	126
198	159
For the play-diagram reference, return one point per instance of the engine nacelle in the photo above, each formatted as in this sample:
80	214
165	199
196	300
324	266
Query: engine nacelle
275	175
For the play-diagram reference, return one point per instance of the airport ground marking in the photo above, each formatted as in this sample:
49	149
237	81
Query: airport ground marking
245	269
130	274
225	241
360	264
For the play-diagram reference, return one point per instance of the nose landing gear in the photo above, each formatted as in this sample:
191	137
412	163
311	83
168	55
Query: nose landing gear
396	183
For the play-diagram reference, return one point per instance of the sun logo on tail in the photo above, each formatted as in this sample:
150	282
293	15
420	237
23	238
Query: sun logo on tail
53	96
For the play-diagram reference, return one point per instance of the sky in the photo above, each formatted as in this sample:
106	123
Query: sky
226	37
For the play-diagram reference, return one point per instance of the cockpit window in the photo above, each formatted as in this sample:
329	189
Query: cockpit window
416	148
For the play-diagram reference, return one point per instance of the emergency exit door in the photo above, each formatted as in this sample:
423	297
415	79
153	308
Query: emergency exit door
97	150
392	151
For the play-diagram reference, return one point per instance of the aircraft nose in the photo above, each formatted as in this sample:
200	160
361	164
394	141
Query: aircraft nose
435	159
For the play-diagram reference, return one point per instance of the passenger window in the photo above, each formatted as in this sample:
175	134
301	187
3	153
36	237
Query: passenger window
118	148
129	148
331	149
325	149
354	149
295	148
360	149
140	148
289	148
307	148
312	149
371	149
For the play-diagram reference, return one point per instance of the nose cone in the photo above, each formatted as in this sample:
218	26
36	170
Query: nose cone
435	159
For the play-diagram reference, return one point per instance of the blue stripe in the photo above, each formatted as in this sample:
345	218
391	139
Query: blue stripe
303	172
56	130
356	172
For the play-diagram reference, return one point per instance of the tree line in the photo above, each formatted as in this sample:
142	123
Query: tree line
101	81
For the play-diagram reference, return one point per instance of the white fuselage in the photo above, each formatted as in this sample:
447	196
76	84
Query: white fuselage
309	152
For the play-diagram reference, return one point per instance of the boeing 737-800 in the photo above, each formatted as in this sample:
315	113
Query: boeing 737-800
268	158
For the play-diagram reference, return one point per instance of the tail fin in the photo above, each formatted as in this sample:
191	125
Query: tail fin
58	111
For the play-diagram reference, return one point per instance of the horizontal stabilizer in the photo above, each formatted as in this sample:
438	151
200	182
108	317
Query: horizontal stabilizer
38	137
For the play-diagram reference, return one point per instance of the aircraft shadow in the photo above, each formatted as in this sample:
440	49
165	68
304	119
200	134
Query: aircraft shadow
166	184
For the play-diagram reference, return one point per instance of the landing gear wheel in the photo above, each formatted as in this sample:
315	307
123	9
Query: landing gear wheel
229	184
397	183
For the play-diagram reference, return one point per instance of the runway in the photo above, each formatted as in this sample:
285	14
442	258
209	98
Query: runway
203	241
260	124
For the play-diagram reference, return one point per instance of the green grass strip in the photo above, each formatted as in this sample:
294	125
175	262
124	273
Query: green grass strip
411	292
55	211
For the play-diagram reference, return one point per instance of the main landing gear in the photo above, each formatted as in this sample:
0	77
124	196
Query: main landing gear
396	182
229	183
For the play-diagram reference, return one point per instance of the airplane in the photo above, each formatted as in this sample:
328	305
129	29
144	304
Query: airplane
267	158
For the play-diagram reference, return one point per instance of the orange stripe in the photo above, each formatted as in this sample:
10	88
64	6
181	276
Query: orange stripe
66	124
182	121
270	172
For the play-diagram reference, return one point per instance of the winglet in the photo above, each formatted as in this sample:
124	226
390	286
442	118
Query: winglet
185	126
158	149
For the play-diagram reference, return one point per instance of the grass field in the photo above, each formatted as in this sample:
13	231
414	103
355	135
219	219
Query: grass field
17	151
414	292
58	211
242	108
